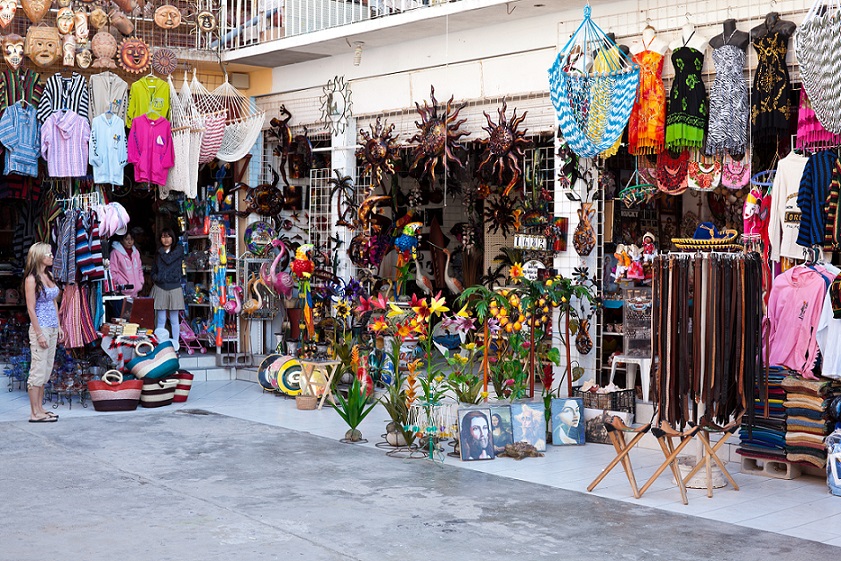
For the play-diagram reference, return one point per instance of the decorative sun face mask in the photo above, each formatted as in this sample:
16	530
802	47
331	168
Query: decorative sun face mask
98	18
36	9
206	21
64	3
134	55
64	21
7	12
42	45
68	49
13	50
84	58
167	17
104	48
82	30
164	61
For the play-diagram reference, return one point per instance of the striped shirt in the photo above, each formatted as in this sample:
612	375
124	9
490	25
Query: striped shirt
19	84
64	144
20	135
64	93
811	198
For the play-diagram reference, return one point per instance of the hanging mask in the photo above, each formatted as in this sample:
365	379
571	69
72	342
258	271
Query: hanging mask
68	49
13	50
167	17
82	30
164	62
7	12
84	58
134	55
64	21
104	48
42	45
36	9
64	3
98	18
206	21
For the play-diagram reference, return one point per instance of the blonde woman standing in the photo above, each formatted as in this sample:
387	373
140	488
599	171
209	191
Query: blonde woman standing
44	330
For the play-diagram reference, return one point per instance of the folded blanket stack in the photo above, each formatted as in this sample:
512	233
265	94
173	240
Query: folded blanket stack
765	438
807	418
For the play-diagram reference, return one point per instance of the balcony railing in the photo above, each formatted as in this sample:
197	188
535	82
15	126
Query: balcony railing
251	22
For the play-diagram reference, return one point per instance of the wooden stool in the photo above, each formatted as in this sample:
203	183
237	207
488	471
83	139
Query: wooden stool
665	435
711	452
616	431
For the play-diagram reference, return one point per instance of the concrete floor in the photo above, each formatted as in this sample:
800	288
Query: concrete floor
185	484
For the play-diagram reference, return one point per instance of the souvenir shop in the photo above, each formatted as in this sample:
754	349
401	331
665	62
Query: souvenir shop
113	134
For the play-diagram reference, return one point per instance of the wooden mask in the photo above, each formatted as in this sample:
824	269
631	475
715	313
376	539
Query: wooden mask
13	50
7	12
64	21
167	17
98	18
84	58
68	49
134	55
81	24
36	9
42	45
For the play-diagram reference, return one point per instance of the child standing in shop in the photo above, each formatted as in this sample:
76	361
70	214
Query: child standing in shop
44	330
167	292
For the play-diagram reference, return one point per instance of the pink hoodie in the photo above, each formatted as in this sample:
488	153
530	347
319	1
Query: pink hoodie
794	309
125	269
150	149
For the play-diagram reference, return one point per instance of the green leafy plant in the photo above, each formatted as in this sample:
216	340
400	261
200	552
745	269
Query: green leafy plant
353	409
396	403
463	380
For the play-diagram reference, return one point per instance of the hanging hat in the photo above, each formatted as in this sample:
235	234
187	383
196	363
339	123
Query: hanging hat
707	236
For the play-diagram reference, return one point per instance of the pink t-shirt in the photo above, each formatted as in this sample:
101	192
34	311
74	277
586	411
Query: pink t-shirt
150	149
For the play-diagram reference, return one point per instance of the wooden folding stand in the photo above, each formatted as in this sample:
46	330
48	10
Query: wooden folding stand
710	454
616	431
665	435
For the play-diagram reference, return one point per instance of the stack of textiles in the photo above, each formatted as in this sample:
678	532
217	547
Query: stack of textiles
763	437
807	418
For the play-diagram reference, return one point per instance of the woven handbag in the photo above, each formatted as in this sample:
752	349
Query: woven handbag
111	393
185	382
160	363
158	393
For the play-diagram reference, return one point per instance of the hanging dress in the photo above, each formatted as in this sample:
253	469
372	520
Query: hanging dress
647	127
728	129
769	100
686	118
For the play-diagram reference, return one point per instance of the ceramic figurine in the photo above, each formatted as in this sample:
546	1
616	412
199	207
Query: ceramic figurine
104	47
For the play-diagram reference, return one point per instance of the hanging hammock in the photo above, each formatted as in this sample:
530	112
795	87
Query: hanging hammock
593	98
213	115
197	128
819	56
244	123
179	176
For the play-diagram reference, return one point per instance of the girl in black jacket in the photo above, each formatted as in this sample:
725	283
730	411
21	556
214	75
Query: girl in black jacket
167	292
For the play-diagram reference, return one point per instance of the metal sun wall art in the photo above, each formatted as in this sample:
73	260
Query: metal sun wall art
336	105
504	149
438	136
379	151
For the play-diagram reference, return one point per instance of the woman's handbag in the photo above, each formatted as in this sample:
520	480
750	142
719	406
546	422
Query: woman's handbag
160	363
185	382
158	393
111	393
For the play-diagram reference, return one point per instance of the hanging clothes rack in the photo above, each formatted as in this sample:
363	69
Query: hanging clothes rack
81	202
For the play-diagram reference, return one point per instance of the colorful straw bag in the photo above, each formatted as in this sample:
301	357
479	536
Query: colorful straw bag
160	363
185	382
111	393
158	393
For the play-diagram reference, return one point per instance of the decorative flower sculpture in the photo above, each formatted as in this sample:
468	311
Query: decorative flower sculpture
504	148
378	150
437	137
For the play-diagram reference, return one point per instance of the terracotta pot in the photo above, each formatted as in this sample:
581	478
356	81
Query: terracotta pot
584	239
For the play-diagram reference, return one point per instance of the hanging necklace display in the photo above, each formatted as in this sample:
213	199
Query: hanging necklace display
134	55
7	12
592	108
702	176
735	174
672	172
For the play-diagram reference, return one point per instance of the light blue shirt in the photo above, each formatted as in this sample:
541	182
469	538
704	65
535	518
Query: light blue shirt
20	135
108	152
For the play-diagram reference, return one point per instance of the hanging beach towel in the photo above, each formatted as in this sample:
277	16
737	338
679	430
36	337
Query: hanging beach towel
819	56
592	107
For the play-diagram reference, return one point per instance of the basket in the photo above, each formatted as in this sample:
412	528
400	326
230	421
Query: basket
622	400
116	395
158	393
306	402
182	390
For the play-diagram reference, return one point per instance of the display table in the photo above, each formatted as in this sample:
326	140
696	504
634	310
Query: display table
317	378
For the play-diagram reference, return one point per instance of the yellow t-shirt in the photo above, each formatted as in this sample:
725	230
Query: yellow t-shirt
149	94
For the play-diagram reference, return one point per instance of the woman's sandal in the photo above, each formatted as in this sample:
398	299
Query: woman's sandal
46	419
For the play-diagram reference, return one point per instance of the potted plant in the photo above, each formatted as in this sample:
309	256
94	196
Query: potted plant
353	409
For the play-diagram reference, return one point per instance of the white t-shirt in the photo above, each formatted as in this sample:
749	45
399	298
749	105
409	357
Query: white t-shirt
784	222
829	337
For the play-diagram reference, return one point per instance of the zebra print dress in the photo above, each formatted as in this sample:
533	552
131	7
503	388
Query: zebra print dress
729	105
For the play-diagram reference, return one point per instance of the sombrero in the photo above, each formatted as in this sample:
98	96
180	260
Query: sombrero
707	236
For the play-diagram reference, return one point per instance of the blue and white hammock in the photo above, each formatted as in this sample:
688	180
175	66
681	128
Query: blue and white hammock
593	95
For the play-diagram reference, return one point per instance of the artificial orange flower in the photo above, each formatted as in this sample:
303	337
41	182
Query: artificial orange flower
379	325
516	272
404	330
